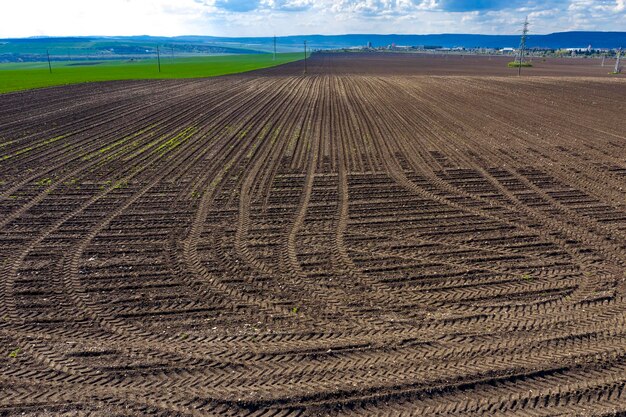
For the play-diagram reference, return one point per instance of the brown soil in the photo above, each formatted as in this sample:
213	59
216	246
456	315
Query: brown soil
423	64
363	240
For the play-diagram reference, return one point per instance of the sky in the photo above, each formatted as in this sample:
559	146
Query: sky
23	18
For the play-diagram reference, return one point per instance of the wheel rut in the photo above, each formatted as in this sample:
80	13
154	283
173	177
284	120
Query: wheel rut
362	240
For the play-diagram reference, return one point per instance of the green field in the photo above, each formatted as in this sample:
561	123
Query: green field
24	76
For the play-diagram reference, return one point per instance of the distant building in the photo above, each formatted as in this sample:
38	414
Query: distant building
580	50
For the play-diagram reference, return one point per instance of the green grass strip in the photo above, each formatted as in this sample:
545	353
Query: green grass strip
18	76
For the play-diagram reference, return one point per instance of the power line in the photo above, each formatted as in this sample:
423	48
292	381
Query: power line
305	63
49	64
158	58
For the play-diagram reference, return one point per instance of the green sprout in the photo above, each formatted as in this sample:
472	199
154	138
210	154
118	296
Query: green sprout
44	182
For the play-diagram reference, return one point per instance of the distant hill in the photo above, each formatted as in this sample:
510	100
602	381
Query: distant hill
145	46
33	49
554	40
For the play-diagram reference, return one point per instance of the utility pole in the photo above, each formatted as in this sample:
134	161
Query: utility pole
49	64
305	68
603	59
522	46
172	54
617	62
159	58
274	47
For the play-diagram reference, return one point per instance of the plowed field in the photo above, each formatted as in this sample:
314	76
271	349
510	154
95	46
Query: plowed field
342	243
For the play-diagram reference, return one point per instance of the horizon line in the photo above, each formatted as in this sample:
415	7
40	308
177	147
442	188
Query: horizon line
301	35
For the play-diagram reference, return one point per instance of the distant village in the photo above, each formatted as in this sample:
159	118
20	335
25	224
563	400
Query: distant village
589	51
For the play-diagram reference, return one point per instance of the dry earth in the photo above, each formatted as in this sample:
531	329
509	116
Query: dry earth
368	239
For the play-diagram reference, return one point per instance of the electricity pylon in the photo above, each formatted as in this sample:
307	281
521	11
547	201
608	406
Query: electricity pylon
522	46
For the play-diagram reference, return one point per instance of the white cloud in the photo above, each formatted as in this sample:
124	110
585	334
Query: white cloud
284	17
93	17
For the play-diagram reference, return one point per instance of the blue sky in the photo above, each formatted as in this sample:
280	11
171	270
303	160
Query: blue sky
22	18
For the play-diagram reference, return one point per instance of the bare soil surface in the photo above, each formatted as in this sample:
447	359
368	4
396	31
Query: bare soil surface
369	239
390	63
